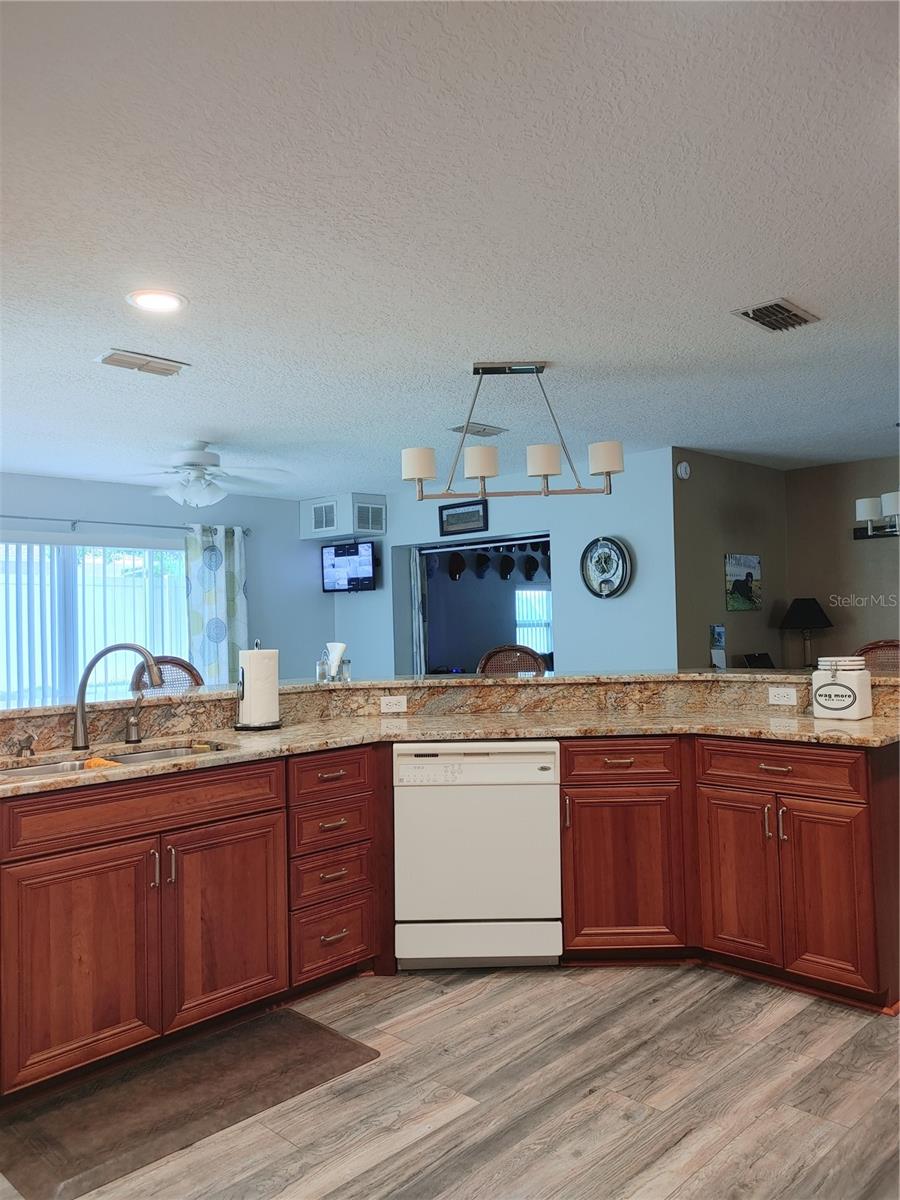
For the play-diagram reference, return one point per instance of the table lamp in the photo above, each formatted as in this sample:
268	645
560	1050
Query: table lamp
805	614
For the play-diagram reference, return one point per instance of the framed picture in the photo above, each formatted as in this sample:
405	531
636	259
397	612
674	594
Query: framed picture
743	583
469	516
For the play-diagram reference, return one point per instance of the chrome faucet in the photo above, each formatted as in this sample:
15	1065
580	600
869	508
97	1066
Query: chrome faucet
79	735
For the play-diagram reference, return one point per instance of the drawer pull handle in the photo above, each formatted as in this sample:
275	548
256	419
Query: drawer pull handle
329	876
781	834
766	811
619	762
154	854
328	776
775	770
327	826
327	939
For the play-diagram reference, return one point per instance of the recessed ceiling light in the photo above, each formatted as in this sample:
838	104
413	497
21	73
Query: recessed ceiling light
156	302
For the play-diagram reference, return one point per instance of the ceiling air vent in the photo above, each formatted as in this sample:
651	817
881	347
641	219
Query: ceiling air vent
132	360
478	429
776	315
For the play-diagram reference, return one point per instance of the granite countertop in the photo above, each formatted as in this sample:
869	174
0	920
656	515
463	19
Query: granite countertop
336	732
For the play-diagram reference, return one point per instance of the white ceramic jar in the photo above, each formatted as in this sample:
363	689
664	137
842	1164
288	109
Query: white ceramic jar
842	689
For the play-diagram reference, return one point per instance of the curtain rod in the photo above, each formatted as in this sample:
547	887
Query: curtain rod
73	524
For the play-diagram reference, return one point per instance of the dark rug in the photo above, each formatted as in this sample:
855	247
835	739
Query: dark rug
61	1145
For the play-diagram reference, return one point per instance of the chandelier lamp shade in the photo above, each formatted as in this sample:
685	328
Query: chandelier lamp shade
543	460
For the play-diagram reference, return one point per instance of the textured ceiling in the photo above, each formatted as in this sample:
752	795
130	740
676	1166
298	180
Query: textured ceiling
361	199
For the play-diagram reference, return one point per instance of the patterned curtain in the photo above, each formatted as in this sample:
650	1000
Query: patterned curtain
217	600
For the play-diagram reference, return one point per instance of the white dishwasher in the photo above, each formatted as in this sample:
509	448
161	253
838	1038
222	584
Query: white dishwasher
477	853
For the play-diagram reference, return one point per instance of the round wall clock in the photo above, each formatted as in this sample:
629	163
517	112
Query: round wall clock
606	567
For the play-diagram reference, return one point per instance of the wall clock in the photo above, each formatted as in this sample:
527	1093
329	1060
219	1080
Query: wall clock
606	567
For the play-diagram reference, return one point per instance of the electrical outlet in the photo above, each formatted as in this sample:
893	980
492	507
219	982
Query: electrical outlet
393	704
394	725
782	695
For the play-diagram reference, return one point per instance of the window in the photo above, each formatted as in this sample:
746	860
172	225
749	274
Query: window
60	604
534	619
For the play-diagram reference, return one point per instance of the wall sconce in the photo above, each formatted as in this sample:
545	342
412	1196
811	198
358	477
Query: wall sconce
881	515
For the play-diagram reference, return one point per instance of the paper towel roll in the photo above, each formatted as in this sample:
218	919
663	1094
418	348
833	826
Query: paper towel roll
259	703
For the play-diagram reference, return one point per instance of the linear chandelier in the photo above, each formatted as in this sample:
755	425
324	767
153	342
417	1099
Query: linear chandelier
544	461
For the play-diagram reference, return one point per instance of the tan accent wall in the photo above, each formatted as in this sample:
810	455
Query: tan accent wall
856	582
727	507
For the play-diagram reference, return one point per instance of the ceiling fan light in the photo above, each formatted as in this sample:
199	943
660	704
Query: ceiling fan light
605	458
200	493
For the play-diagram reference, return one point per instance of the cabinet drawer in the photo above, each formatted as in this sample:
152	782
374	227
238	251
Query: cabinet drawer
775	767
319	877
66	820
641	760
331	936
315	776
333	823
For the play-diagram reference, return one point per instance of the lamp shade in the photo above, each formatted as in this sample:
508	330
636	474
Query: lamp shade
544	459
418	463
481	462
890	504
605	458
868	509
805	613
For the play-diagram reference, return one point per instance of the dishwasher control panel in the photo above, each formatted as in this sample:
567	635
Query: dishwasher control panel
444	764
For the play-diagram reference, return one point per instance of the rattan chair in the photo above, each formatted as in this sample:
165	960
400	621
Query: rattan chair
511	660
177	673
882	658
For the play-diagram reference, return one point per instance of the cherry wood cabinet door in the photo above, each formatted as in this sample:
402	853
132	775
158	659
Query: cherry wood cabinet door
739	887
224	917
827	891
623	878
80	965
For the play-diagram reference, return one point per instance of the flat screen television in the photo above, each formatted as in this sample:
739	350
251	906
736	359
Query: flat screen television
349	567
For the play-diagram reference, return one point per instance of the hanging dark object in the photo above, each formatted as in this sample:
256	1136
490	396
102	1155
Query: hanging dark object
456	566
530	567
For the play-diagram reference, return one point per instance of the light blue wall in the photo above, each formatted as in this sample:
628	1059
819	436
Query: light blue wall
287	608
633	632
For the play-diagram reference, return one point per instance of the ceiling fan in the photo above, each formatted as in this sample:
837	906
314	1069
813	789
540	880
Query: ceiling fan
194	476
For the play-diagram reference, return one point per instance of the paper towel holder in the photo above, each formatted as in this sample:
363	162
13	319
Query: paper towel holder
242	726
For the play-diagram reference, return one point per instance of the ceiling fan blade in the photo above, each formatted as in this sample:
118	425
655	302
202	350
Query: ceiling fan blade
260	473
249	487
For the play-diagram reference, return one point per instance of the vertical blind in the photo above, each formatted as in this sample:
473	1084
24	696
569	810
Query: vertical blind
60	604
534	619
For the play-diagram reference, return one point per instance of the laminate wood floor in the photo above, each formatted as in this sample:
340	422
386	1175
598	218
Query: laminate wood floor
573	1084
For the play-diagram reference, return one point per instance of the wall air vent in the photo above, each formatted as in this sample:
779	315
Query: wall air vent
776	315
324	517
370	518
132	360
347	515
478	429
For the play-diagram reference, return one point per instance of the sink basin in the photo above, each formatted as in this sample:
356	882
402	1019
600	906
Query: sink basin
57	768
139	756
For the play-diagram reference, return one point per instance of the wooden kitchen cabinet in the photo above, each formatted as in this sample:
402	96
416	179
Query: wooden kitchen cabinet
827	893
623	882
224	917
80	958
739	886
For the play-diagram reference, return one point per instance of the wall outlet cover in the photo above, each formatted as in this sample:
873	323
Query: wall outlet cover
393	704
782	695
394	725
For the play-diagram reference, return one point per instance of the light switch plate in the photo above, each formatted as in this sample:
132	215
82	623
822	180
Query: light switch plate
782	695
393	704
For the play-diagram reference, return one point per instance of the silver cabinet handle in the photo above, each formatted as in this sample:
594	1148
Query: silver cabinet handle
171	852
775	770
328	876
334	937
619	762
328	776
154	854
327	826
766	811
568	819
782	836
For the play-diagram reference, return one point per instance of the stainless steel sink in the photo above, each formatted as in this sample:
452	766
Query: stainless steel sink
139	756
57	768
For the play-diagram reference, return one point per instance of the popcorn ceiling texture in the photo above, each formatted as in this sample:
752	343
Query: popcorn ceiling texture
360	199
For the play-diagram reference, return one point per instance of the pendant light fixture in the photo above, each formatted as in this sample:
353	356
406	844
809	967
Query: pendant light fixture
543	461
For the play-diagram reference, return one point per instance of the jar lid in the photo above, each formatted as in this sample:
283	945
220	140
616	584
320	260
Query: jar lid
849	662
